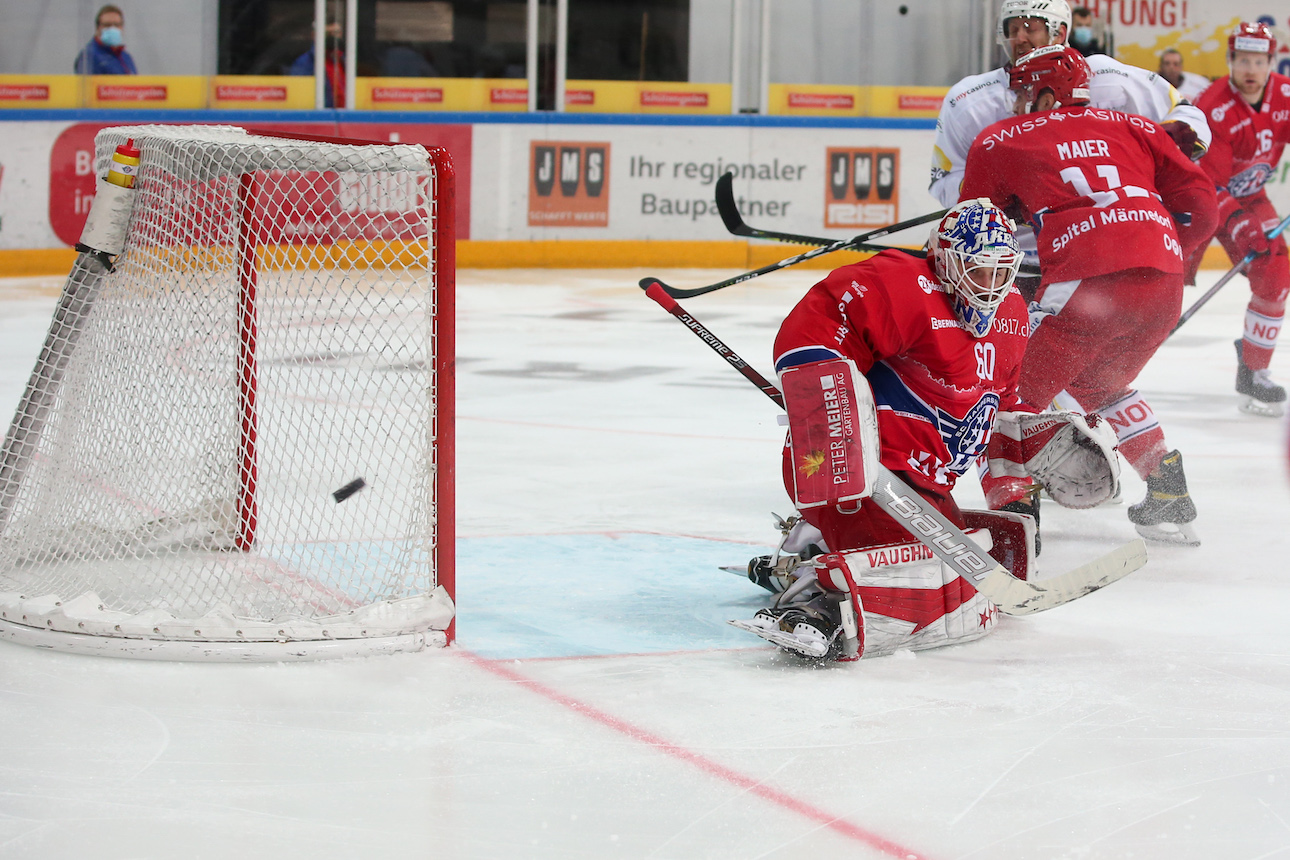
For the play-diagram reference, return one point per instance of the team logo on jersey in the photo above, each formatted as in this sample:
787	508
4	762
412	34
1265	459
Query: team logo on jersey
862	187
568	184
966	437
1249	180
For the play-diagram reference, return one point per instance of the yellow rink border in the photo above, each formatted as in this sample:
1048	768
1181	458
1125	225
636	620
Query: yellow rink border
474	254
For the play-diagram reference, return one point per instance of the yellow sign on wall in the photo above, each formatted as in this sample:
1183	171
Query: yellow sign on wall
262	92
646	97
830	100
145	91
456	94
40	91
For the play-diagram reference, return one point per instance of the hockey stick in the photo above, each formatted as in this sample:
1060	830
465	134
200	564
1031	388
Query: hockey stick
729	212
734	222
828	247
1231	273
928	525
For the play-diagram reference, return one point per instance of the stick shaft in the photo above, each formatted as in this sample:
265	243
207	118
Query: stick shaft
1231	273
656	292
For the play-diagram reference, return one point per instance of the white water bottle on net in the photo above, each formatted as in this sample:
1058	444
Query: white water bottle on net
237	441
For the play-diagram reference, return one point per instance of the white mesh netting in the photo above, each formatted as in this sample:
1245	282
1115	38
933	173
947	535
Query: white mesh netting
268	335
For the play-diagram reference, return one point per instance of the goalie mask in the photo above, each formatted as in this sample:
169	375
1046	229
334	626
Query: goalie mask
1056	69
976	256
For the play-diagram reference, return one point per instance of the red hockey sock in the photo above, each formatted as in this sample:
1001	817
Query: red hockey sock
1145	451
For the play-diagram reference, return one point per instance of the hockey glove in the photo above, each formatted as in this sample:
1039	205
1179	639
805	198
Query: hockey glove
1185	136
1246	233
1072	455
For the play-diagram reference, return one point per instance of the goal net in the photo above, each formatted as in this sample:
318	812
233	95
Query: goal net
277	326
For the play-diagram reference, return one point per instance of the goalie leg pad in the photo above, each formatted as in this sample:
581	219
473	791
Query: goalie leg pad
1072	455
905	599
1014	537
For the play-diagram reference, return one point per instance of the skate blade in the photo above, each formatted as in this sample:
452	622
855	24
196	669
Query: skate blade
813	649
1182	534
1250	406
737	570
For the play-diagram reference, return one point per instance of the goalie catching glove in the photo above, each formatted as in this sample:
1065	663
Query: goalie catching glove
1072	455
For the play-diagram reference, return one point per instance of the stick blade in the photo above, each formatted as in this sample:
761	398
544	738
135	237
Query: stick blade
727	208
1017	597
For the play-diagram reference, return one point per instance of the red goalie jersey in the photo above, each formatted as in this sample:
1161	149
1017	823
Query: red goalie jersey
936	387
1097	185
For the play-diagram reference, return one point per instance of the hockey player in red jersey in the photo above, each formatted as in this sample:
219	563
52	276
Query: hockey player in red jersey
939	340
1249	114
1117	209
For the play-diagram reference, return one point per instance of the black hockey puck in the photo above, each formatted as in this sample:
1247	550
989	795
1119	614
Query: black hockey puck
348	490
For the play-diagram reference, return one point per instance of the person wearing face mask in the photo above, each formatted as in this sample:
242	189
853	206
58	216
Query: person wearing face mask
1084	37
106	54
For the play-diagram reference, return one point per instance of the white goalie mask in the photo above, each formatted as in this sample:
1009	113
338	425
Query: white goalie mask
1054	12
975	254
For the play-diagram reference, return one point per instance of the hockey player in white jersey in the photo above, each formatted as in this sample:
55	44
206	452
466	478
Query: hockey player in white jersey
980	100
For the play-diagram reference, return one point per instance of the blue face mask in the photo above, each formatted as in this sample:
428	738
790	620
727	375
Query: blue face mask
1083	35
112	37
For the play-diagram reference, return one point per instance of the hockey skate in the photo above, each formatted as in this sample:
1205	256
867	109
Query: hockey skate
800	542
1166	514
1259	394
811	629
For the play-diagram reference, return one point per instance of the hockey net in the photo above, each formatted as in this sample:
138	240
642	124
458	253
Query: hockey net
278	324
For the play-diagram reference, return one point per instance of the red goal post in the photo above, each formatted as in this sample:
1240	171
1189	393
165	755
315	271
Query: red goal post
278	323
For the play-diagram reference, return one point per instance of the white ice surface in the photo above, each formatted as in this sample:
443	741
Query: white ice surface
596	706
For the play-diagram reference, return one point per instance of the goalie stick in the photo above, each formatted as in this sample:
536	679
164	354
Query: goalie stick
1231	273
947	541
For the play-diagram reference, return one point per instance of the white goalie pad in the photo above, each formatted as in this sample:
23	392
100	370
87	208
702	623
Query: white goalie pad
832	432
1072	455
906	599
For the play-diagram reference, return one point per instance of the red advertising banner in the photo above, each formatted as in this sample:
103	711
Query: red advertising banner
72	182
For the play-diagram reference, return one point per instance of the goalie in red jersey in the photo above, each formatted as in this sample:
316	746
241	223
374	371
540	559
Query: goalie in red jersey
1117	209
1249	112
931	346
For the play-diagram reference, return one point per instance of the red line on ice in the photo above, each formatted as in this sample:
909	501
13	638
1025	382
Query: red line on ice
707	765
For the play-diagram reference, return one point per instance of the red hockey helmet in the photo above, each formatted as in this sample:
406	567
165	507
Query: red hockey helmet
1058	68
1252	36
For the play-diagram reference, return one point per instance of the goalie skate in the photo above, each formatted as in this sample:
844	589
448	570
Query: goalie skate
808	630
800	542
1167	513
1259	394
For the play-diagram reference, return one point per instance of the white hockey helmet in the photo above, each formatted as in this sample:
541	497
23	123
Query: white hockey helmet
976	256
1054	12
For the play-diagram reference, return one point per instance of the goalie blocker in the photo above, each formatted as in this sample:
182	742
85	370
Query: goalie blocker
832	433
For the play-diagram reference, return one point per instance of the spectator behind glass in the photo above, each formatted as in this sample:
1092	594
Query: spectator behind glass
106	54
333	63
1188	84
1085	37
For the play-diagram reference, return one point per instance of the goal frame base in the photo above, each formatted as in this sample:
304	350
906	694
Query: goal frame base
186	651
